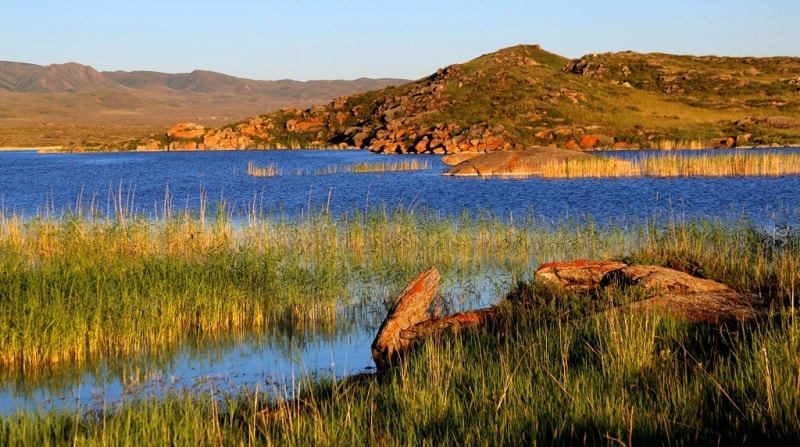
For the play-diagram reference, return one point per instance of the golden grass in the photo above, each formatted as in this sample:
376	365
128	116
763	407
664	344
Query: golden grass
584	167
744	164
262	171
668	145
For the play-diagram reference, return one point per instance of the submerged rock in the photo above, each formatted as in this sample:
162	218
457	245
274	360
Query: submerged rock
513	163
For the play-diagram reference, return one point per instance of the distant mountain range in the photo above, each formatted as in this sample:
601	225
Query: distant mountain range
72	77
71	103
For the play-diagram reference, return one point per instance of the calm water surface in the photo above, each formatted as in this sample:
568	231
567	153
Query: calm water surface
152	183
155	184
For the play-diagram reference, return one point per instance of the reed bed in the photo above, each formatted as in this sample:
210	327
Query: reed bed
589	167
550	374
747	164
262	171
668	145
357	168
373	167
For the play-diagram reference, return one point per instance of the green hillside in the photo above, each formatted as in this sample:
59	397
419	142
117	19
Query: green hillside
524	96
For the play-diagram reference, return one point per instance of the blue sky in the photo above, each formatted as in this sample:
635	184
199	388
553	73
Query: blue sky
347	39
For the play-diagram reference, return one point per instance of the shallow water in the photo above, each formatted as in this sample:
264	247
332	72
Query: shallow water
161	183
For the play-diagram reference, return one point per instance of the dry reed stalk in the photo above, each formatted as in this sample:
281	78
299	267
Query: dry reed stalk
258	171
723	165
589	167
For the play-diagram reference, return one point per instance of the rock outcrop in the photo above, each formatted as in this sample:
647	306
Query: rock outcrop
411	319
411	307
528	162
684	296
678	293
510	163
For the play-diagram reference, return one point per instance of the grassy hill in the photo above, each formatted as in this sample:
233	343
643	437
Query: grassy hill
525	96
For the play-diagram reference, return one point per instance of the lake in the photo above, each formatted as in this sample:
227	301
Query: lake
34	184
157	184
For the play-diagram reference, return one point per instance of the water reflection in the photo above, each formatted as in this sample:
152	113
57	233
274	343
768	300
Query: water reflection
272	361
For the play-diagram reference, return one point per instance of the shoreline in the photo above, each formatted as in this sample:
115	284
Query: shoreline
38	148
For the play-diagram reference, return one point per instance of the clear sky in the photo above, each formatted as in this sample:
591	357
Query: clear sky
347	39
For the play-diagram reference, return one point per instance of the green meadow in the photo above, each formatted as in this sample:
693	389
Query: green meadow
558	370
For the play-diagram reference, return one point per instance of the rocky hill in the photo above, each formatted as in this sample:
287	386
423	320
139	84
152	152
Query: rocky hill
524	96
75	105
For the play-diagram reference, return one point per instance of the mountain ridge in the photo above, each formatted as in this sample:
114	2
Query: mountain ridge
21	77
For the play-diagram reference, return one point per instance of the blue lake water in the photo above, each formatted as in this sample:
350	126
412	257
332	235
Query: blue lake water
155	184
149	183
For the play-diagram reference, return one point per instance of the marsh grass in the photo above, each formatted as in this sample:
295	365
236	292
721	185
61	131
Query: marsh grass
357	168
374	167
78	288
668	145
741	164
589	167
262	171
620	379
557	369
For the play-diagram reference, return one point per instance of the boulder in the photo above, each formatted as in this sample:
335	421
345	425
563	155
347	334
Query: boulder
186	131
148	144
671	291
454	159
411	307
511	163
581	275
596	141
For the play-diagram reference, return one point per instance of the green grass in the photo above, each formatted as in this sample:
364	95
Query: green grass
552	372
74	289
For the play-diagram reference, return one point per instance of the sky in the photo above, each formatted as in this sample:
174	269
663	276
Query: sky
348	39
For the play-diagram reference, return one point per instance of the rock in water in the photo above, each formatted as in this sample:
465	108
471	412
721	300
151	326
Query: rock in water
412	306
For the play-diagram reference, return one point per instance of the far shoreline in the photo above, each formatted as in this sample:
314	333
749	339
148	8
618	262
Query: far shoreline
38	148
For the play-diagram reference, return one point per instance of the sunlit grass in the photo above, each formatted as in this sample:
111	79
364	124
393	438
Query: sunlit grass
741	164
589	167
746	164
545	375
77	288
262	171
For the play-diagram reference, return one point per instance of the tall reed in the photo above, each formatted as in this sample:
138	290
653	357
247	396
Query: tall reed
676	165
721	165
372	167
592	167
537	377
668	145
78	288
262	171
